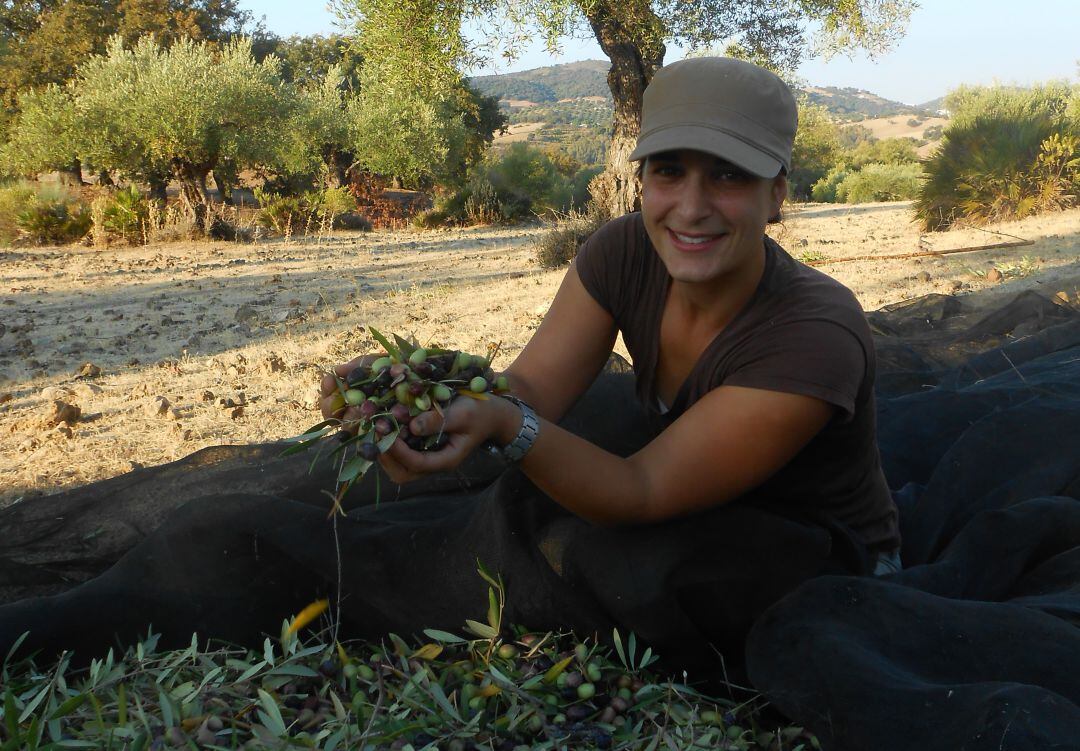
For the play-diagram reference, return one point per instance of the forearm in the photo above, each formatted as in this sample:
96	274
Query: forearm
593	483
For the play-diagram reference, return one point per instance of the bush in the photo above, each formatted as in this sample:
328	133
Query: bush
824	190
54	222
282	214
884	151
123	215
880	182
523	171
559	246
817	149
14	200
1006	163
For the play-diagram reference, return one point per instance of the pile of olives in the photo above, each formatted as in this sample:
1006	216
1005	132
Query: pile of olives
406	381
398	386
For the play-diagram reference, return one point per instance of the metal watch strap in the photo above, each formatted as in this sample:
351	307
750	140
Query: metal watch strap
530	428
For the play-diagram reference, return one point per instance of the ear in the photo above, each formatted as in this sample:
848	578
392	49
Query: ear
778	189
778	192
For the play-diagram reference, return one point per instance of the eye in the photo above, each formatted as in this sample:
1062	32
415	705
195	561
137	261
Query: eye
730	174
665	169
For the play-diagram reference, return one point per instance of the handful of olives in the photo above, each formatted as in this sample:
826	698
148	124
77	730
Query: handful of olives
402	383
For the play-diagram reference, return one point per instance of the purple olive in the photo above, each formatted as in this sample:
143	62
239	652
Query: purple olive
400	412
368	409
416	388
368	451
383	426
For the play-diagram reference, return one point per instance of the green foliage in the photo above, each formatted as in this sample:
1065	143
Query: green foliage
824	190
20	196
528	171
880	182
549	84
884	151
560	244
307	60
933	133
143	111
329	208
44	135
817	149
284	215
124	214
53	222
1008	154
410	117
968	103
505	688
45	42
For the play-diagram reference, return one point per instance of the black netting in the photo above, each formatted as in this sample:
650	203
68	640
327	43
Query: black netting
974	645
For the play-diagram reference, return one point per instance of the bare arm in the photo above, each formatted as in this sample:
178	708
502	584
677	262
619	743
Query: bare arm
727	443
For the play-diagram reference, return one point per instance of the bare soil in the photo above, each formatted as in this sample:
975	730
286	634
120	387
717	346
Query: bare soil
219	343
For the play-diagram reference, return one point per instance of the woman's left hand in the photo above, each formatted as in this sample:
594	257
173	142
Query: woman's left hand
467	423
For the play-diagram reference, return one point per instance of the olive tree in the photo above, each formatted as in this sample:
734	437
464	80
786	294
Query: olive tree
150	114
410	119
634	34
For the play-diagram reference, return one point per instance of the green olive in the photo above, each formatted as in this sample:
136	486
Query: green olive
463	360
365	672
593	671
354	396
502	383
349	671
442	393
508	651
418	356
382	362
478	385
423	403
586	691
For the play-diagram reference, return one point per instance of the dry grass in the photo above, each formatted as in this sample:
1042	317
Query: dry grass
256	324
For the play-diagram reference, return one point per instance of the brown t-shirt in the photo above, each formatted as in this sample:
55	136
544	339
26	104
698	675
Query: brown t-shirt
802	332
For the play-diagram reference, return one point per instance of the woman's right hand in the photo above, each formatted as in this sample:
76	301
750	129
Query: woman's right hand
331	401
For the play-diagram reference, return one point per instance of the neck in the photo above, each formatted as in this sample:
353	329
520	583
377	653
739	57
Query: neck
715	303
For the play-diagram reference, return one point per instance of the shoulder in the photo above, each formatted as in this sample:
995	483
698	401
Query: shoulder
615	260
795	293
623	233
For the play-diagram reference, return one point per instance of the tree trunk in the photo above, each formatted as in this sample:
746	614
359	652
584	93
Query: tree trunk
192	179
337	164
631	36
72	175
159	189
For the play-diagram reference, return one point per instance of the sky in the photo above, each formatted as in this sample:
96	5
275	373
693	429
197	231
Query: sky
948	43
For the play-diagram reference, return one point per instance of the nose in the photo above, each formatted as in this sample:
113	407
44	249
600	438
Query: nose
692	203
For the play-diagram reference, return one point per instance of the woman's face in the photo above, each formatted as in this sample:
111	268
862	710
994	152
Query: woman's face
704	215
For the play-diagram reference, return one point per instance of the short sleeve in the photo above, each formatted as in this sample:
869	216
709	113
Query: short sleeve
816	358
591	269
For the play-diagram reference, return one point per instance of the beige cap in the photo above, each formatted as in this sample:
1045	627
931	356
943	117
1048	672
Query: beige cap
722	106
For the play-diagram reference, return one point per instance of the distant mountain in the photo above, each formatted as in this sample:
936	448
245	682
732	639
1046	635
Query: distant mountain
852	105
543	86
934	105
587	78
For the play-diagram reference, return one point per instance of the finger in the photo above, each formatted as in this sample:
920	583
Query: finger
394	470
426	462
345	368
332	406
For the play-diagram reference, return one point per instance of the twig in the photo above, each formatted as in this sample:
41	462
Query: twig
922	253
375	709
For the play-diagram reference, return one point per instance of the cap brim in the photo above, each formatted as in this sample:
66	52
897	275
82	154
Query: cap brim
711	141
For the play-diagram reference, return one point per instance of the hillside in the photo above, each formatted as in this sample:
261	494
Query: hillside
588	78
570	105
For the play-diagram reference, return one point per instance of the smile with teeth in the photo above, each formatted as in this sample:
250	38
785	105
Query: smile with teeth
694	239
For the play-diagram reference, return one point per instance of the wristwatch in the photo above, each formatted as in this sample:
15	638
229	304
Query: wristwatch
515	451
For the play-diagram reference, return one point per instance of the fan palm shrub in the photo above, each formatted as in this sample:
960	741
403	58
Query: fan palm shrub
1003	163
